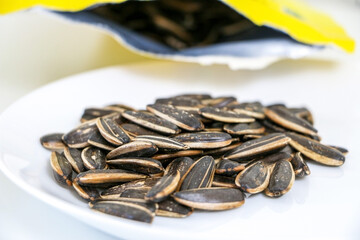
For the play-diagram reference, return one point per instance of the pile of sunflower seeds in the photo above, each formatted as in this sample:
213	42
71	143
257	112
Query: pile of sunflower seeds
180	24
186	152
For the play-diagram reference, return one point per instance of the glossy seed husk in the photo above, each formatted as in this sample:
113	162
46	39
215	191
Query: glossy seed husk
53	141
62	169
129	210
93	158
244	128
164	187
300	167
184	153
138	164
135	193
151	121
78	137
228	167
184	103
223	181
257	147
73	155
281	179
135	130
112	132
133	149
199	175
252	109
171	208
204	140
97	140
181	164
163	142
93	113
180	118
226	116
211	199
86	193
316	151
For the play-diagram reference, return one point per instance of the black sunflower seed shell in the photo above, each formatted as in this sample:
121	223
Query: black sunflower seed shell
219	102
343	150
93	113
171	208
112	132
78	137
181	164
218	198
244	128
184	103
179	117
316	151
257	147
164	187
97	140
137	193
199	175
93	158
138	164
86	193
226	116
151	121
53	141
288	120
73	155
223	181
102	177
204	140
135	130
133	149
220	151
303	113
252	109
300	167
124	209
281	179
228	168
163	142
61	168
172	155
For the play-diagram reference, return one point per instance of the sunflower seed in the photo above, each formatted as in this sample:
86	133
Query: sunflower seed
78	137
251	137
99	176
124	209
218	198
151	121
272	127
194	96
138	164
138	193
92	113
86	193
223	181
119	108
229	168
134	130
53	142
73	155
252	109
112	132
258	147
303	113
181	164
286	119
316	151
171	208
61	167
254	178
220	151
343	150
115	191
184	153
243	128
219	102
133	149
164	187
199	175
93	158
178	117
281	179
184	103
204	140
299	165
97	140
163	142
227	116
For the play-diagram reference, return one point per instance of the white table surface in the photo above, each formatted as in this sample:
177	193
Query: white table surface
24	217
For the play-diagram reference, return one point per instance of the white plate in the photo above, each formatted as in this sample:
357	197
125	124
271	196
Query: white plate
324	205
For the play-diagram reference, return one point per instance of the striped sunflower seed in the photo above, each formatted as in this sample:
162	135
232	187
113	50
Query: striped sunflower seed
316	151
93	158
164	187
299	165
171	208
73	155
204	140
163	142
223	181
227	116
135	193
171	155
86	193
53	142
78	137
179	117
183	103
227	167
343	150
257	147
134	130
93	113
97	140
138	164
133	149
62	169
219	102
218	198
181	164
243	128
150	121
252	109
199	175
281	179
112	132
